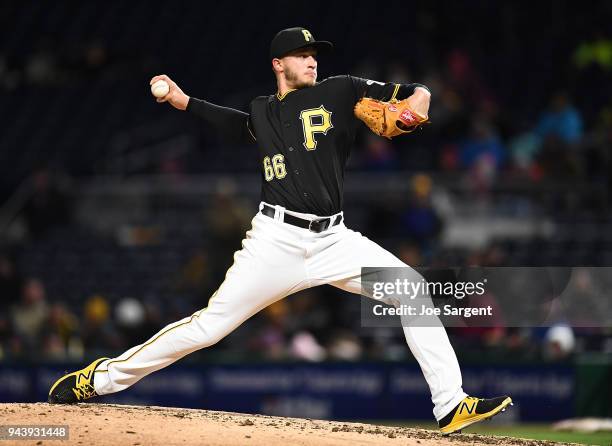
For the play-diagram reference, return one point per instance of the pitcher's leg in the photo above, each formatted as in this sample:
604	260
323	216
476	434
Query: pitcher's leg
434	353
251	284
340	265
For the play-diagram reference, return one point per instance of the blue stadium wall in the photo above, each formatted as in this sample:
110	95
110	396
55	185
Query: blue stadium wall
341	391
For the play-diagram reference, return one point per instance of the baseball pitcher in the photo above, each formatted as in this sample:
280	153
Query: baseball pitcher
298	239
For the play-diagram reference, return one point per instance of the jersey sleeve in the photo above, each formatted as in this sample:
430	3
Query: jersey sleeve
383	91
232	124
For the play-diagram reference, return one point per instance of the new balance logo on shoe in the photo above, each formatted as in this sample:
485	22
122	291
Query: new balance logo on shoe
465	406
85	376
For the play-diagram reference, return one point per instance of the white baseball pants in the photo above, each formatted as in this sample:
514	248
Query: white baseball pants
276	260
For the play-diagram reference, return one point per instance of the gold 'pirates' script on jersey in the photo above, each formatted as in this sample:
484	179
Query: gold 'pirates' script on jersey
305	138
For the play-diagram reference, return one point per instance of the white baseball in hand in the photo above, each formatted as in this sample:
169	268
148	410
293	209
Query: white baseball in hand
160	88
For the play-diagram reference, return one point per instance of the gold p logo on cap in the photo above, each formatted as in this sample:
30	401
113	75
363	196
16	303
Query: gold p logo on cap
307	35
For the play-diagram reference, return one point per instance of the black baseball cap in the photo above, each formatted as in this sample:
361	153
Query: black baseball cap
291	39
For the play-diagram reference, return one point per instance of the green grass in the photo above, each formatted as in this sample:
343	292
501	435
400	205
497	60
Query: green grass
533	431
544	432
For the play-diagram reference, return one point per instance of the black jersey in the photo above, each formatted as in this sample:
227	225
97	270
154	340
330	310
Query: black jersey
305	139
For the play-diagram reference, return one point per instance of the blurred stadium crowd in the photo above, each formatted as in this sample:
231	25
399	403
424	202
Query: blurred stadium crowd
104	239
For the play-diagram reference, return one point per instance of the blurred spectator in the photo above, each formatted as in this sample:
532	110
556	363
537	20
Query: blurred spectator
483	145
524	149
561	122
308	316
61	333
483	331
584	302
559	131
130	317
345	346
30	315
228	219
482	154
304	346
139	235
559	342
593	60
270	340
520	342
419	221
98	332
597	51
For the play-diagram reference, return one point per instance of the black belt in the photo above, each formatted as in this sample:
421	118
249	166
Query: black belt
316	225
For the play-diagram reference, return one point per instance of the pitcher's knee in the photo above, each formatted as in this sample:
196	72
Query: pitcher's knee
215	337
210	333
412	289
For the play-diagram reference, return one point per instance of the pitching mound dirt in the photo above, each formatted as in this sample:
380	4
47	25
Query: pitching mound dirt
109	424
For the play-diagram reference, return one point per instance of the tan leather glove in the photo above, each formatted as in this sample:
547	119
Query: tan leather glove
389	119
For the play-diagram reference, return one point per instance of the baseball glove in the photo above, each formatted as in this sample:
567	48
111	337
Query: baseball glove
389	119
